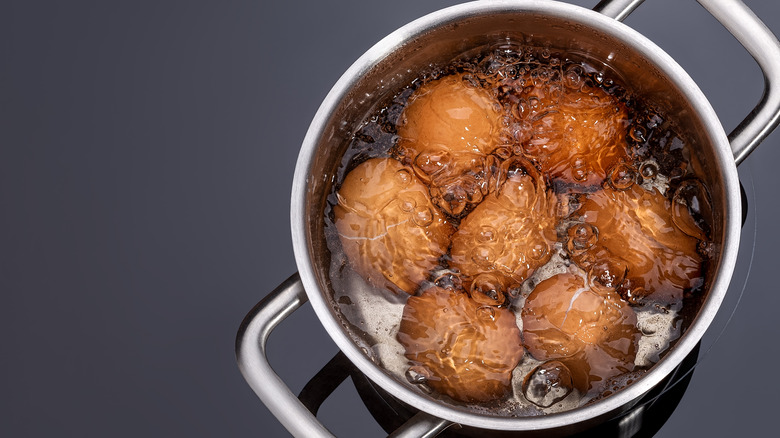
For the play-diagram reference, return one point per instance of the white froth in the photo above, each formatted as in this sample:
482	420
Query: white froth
658	329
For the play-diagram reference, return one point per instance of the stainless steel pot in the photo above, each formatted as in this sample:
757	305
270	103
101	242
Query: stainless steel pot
437	38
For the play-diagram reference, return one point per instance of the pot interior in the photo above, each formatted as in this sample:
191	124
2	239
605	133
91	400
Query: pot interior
438	39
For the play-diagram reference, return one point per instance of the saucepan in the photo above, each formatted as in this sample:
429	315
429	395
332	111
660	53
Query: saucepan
438	38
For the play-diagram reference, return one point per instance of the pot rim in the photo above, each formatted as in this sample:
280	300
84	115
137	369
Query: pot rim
645	48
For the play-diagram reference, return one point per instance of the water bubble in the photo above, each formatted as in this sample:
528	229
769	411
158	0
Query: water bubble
579	167
638	134
622	177
487	290
582	237
707	249
448	280
472	189
454	199
539	249
423	216
632	292
580	174
541	76
607	274
431	162
417	375
547	384
488	66
573	77
653	120
486	313
408	204
691	209
470	81
483	257
486	234
649	170
503	152
404	177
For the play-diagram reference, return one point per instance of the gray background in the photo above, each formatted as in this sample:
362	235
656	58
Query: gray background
146	157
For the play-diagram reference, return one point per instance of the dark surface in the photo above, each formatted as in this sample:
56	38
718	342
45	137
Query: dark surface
147	157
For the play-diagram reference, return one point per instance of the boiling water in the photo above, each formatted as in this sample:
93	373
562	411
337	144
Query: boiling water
537	186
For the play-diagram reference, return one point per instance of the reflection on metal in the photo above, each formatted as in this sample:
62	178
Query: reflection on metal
631	423
253	362
617	9
421	425
762	44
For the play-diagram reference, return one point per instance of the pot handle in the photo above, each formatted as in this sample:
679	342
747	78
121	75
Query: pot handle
759	41
252	360
763	45
617	9
422	425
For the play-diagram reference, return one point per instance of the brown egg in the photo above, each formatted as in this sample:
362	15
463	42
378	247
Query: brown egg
461	349
511	232
635	245
446	132
390	232
574	131
592	332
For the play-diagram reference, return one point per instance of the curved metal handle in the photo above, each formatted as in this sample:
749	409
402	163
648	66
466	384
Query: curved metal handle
422	425
762	44
617	9
253	362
